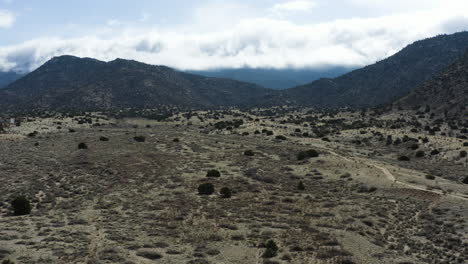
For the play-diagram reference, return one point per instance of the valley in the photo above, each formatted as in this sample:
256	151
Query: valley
304	187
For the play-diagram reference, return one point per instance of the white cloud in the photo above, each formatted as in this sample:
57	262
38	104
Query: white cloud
7	19
296	5
254	42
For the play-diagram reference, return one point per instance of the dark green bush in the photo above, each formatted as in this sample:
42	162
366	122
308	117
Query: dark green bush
281	137
430	177
206	189
419	154
7	261
213	174
249	153
301	186
271	249
139	139
307	154
435	152
403	158
465	180
225	192
463	154
21	206
104	139
176	140
82	146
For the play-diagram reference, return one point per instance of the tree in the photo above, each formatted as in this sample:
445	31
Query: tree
213	174
206	189
225	192
21	206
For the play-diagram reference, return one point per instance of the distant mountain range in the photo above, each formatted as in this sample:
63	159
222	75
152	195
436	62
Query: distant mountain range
444	95
278	79
8	77
387	80
68	83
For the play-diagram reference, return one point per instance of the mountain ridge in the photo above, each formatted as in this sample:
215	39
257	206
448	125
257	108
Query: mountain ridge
386	80
68	82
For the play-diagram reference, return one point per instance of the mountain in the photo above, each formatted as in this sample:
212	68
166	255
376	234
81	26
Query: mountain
8	77
84	84
446	94
386	80
278	79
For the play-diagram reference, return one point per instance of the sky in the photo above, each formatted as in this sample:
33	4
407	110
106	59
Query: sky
210	34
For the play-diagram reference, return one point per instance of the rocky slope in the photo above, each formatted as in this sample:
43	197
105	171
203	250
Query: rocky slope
386	80
446	94
71	83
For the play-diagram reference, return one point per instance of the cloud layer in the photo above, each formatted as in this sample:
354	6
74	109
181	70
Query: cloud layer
6	19
266	42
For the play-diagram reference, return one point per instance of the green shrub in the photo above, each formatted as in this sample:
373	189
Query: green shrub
465	180
307	154
104	139
430	177
213	174
435	152
463	154
281	137
139	139
21	206
403	158
249	153
271	249
7	261
225	192
82	146
176	140
206	189
301	186
419	154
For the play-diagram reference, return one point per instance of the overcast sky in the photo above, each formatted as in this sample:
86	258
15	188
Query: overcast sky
201	34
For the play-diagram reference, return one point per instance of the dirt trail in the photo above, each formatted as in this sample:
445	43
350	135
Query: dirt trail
389	176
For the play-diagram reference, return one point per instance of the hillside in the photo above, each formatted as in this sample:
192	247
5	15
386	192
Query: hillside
446	94
83	84
386	80
8	77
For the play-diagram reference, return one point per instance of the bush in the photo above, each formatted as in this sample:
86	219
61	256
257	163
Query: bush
269	133
435	152
213	174
301	186
403	158
82	146
307	154
430	177
414	146
463	154
465	144
281	137
104	139
271	250
249	153
21	206
206	189
419	154
139	139
225	192
176	140
465	181
7	261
